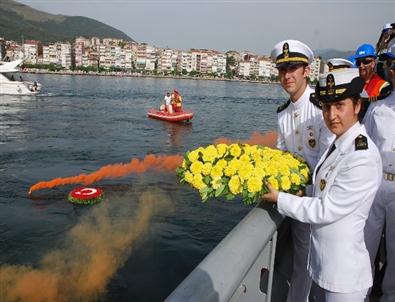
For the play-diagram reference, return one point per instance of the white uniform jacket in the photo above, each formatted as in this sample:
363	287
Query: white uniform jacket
379	122
301	129
343	192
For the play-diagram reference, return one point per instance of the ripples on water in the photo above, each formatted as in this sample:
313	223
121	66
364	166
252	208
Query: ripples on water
81	123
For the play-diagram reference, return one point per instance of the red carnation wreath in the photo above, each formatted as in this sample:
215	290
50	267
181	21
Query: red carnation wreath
84	195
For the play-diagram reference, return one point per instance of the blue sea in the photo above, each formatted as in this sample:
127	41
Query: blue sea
150	231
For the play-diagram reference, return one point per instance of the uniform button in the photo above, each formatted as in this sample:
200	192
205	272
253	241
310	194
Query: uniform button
296	131
296	114
300	148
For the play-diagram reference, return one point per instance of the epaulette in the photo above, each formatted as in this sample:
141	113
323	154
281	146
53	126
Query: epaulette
361	142
283	106
315	101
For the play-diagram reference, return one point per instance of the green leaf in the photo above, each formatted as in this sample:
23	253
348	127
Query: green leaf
207	179
245	194
204	190
219	191
229	196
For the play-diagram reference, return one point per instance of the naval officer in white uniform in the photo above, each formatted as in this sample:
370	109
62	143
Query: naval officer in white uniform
345	182
379	122
301	130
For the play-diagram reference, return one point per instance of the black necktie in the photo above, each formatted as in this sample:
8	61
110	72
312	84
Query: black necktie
331	149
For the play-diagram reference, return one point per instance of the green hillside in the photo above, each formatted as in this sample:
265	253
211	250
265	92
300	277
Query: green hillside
18	20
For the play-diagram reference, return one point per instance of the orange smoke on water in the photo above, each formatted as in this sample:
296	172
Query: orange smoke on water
92	252
268	139
159	163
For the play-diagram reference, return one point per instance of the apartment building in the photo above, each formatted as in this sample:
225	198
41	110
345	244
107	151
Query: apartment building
167	60
32	50
315	69
146	57
266	68
184	62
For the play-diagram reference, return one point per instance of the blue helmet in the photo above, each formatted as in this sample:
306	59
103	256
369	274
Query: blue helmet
365	50
351	58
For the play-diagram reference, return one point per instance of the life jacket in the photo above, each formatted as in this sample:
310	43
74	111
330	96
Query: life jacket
374	86
178	101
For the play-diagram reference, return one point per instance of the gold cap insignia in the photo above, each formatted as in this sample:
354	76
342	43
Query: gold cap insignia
330	84
322	184
312	142
286	50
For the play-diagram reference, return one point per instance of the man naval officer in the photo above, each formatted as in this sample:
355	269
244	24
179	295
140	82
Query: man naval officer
379	122
345	182
301	130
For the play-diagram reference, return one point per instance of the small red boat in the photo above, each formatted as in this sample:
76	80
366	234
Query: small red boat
185	115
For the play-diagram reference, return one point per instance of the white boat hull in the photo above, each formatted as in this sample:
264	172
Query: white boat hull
19	88
9	86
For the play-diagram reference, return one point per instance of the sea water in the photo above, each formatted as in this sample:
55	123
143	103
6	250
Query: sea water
79	124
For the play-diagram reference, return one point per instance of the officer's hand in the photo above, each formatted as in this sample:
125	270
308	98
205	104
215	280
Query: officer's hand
272	196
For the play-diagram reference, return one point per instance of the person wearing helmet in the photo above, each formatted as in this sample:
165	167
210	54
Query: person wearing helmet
379	123
345	181
375	87
301	130
176	101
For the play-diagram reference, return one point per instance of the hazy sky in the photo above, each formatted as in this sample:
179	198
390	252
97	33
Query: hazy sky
254	25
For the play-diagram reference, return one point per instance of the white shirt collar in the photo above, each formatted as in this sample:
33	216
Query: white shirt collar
305	97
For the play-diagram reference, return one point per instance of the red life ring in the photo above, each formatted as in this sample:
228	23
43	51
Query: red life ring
84	195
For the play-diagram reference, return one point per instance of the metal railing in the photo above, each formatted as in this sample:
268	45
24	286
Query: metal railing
240	268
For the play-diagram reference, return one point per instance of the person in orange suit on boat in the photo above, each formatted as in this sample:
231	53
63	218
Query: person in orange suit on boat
176	101
375	87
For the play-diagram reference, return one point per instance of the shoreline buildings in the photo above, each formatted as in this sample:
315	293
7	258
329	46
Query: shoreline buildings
119	55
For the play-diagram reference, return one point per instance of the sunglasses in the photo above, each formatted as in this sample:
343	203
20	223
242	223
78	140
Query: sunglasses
364	62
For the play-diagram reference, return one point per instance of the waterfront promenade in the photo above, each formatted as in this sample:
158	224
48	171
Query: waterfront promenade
140	75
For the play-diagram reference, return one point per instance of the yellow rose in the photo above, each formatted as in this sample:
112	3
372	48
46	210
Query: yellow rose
193	155
285	183
188	177
283	169
216	172
230	170
222	163
235	185
295	179
198	182
245	171
222	148
206	169
196	167
210	154
235	150
273	182
245	158
254	184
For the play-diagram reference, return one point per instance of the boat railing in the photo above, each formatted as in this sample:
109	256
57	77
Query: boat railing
240	268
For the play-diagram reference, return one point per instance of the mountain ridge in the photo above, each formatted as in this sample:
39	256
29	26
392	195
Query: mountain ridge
19	21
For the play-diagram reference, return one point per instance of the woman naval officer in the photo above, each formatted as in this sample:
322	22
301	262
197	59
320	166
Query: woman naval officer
345	182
